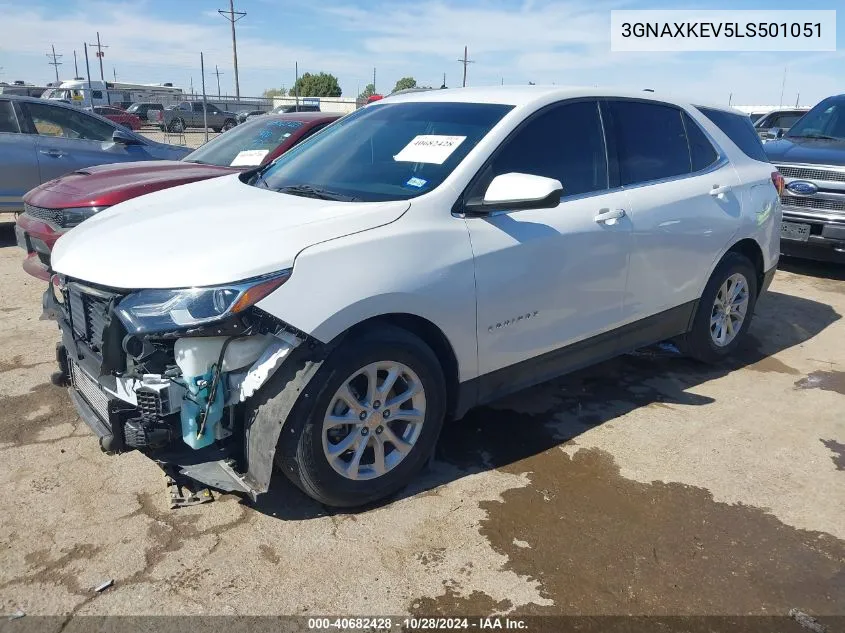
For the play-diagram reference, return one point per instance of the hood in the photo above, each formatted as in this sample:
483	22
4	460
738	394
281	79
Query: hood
813	151
206	233
107	185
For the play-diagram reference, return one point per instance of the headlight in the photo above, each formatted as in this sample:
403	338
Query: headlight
76	216
163	310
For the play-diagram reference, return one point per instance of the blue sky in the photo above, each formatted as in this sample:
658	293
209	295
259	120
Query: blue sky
515	41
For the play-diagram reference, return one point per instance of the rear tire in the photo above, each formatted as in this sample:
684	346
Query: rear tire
724	311
339	445
177	126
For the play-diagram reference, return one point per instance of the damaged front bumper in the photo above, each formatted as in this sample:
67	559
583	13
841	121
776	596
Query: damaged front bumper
192	425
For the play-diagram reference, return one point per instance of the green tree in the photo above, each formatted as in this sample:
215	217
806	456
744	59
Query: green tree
273	92
368	92
404	84
322	85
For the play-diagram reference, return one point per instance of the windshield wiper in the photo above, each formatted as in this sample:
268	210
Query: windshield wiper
309	191
821	136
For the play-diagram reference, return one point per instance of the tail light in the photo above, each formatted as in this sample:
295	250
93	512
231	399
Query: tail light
778	182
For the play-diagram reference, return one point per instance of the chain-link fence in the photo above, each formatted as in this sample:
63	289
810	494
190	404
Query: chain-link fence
190	138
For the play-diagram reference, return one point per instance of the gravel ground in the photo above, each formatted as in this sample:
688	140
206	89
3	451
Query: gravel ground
646	485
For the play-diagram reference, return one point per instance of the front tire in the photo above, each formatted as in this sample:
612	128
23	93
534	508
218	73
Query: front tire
177	126
228	124
724	310
368	420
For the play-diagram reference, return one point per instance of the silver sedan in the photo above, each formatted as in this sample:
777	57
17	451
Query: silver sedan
41	140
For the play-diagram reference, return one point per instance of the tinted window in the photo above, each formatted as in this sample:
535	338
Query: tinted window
565	143
97	94
8	121
246	145
650	141
67	122
701	151
786	120
739	129
391	151
826	119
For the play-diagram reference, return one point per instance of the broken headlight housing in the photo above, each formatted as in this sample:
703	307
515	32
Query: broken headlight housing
161	310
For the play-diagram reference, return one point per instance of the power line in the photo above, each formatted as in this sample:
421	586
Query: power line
230	15
465	61
55	63
218	73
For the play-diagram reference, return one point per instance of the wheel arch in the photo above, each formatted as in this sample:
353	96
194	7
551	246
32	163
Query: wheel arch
751	250
431	335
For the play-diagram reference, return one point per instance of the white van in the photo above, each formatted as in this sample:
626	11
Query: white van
112	93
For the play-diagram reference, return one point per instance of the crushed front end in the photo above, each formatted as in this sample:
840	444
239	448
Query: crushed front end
170	373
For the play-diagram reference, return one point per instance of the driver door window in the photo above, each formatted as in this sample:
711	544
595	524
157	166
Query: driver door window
67	123
565	143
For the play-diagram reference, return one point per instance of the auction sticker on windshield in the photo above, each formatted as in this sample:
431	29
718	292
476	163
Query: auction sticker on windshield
429	148
249	158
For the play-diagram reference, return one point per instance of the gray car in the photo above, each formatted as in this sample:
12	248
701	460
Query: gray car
41	140
189	114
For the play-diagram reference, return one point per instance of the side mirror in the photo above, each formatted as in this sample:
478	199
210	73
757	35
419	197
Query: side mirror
124	138
775	132
515	191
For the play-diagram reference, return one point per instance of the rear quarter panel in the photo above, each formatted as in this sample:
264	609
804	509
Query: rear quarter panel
761	211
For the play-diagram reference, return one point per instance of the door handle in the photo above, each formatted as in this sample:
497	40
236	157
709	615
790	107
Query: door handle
609	216
52	152
718	191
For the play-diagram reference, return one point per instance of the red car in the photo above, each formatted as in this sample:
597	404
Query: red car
121	117
57	206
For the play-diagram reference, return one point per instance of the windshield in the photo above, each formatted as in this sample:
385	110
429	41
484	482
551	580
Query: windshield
391	151
245	145
826	120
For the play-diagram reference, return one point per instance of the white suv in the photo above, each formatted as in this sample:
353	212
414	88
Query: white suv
421	256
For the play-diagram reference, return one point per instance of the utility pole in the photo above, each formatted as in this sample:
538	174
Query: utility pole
296	84
114	72
204	105
100	55
55	63
374	81
88	75
783	85
233	16
75	67
465	61
218	73
443	85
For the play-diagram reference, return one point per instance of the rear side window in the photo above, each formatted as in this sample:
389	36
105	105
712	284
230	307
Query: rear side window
651	142
739	129
701	151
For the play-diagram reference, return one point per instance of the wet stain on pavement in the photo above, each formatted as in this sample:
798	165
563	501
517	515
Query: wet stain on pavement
17	362
838	450
57	569
20	427
600	543
269	554
824	380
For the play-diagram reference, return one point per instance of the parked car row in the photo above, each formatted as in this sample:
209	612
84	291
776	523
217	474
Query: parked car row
325	311
41	140
55	207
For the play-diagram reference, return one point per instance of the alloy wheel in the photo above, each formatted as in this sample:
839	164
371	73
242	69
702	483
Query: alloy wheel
729	310
373	420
